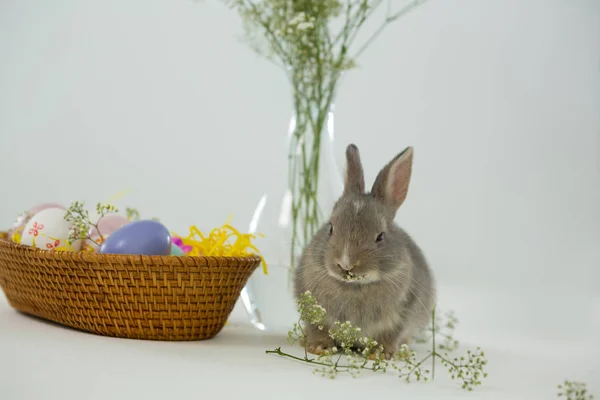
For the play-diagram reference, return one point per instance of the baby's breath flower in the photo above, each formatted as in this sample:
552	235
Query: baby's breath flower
103	209
302	26
572	390
309	310
132	214
299	17
361	352
80	220
469	369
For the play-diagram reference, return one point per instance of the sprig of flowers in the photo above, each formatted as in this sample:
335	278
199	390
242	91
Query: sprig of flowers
79	216
468	369
572	390
443	327
132	214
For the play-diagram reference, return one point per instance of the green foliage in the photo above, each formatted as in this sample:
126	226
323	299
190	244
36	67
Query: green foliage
318	35
79	216
572	390
132	214
443	327
467	369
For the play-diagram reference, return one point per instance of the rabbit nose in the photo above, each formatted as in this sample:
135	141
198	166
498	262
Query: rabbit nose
344	263
344	266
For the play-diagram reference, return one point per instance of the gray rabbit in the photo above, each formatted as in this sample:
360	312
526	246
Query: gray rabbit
362	267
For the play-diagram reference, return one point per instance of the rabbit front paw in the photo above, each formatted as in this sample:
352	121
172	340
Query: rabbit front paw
319	342
320	346
387	353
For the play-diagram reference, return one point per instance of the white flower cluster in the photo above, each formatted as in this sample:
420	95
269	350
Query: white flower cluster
299	24
348	336
468	369
132	214
310	311
364	353
79	216
572	390
103	209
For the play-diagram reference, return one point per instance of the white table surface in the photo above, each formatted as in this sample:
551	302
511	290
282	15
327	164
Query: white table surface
40	360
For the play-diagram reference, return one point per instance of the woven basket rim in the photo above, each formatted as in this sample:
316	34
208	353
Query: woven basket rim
91	257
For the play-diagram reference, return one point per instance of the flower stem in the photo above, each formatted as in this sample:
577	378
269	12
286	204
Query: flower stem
417	365
388	19
433	330
305	359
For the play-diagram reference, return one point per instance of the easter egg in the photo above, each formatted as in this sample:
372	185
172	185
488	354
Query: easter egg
106	225
110	223
48	230
16	230
177	242
145	237
92	243
44	206
177	251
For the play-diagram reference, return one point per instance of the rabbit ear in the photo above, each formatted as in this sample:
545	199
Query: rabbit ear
391	184
354	181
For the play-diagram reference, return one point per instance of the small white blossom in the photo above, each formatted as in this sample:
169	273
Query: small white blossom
302	26
298	18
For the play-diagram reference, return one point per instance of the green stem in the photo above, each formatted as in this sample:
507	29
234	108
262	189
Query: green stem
360	21
313	361
304	336
282	53
337	363
417	365
311	111
433	340
306	359
389	19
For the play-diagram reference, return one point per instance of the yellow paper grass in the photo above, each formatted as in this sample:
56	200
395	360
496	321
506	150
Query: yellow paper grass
218	243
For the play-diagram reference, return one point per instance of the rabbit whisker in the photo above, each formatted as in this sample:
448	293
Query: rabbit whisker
397	285
405	275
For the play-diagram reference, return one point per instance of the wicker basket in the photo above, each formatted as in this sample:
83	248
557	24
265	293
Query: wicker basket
137	297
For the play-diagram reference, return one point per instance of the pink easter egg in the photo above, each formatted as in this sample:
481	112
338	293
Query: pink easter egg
107	225
110	223
40	207
92	245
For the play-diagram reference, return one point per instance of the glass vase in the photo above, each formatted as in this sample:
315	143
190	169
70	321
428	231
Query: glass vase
288	217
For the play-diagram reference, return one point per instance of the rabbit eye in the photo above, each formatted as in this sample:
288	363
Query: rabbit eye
380	237
330	229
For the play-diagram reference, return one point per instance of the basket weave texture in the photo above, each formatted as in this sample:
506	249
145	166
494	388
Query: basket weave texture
127	296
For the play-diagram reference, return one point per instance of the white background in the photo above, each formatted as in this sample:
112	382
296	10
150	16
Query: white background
500	98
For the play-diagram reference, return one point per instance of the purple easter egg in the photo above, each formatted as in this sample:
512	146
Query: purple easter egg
145	237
